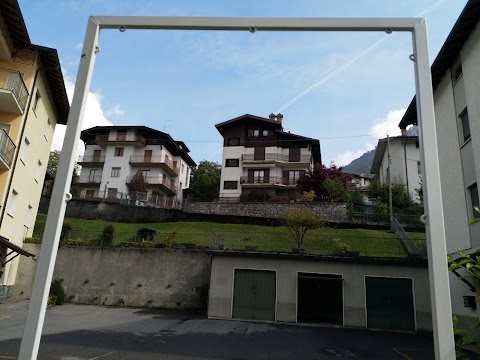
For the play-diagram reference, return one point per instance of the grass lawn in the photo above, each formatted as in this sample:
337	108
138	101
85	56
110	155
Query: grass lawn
270	239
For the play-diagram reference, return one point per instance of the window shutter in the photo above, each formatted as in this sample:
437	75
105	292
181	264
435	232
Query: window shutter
250	176
285	177
266	176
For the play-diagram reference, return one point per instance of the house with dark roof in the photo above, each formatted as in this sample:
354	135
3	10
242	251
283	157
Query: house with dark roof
456	86
115	154
259	157
33	100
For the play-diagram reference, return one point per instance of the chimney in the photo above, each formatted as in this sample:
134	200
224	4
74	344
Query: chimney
279	118
404	132
272	116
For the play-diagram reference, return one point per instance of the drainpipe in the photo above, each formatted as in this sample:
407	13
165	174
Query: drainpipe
406	167
20	143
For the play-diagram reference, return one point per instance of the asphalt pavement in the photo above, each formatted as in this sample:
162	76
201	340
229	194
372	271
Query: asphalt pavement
84	332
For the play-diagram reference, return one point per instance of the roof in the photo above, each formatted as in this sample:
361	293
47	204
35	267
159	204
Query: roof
460	33
12	15
381	148
159	134
248	116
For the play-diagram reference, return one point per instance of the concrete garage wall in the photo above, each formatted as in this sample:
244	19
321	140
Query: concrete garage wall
221	286
124	276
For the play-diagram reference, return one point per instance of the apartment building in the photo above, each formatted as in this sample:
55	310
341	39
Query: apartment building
259	155
405	164
33	100
114	154
456	85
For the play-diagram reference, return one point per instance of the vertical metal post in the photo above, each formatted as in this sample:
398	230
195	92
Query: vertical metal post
60	196
390	199
436	239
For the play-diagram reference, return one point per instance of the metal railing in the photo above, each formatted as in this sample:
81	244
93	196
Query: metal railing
7	148
276	157
89	179
412	247
12	81
120	137
273	180
155	159
91	159
155	180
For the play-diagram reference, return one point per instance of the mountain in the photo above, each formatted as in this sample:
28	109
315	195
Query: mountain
363	164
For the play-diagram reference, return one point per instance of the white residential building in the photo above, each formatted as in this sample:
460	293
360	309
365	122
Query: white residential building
456	85
114	154
259	155
405	165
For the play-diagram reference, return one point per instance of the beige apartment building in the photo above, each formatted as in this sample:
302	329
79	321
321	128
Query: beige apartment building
33	100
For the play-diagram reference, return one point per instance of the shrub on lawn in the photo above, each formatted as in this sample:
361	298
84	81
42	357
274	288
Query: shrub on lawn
339	248
170	240
127	244
32	240
57	290
147	244
67	227
77	242
298	220
106	239
146	234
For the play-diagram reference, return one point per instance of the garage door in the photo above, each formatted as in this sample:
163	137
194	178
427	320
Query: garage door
390	303
254	294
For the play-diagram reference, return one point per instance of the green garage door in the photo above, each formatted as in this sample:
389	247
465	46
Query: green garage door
254	295
390	303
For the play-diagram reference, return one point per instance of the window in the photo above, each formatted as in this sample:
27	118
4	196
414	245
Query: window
28	216
24	150
293	176
465	124
36	176
145	174
36	101
267	133
115	172
232	162
233	142
457	73
417	144
118	151
473	190
250	132
230	185
183	168
419	167
46	131
258	176
12	202
256	133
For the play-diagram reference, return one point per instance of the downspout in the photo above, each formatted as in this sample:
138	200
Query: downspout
20	143
406	167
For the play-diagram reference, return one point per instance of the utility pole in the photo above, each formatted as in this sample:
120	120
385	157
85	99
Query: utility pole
390	201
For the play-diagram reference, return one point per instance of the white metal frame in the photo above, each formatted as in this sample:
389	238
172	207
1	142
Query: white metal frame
320	273
439	286
390	277
253	269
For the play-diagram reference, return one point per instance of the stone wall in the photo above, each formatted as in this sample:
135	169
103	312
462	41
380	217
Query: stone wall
123	276
329	211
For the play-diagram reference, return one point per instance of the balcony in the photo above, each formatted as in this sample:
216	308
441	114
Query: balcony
263	181
92	160
155	161
90	179
13	92
275	158
162	183
120	139
7	150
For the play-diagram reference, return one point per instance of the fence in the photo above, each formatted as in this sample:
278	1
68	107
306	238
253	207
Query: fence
275	240
134	198
413	247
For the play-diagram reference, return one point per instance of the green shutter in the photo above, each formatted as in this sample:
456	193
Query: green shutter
254	295
390	303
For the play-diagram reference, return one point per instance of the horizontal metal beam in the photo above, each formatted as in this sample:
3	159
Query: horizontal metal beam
255	23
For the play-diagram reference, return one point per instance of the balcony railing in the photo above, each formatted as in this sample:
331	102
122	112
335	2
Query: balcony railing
156	180
271	180
276	157
7	148
120	138
12	81
90	179
91	159
160	159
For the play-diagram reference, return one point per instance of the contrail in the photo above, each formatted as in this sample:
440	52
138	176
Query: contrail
352	61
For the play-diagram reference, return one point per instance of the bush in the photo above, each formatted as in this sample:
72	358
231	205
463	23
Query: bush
147	244
298	220
340	248
76	242
67	227
58	291
32	240
146	234
170	240
127	244
106	239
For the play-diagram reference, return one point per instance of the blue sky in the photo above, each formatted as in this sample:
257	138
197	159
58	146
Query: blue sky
346	89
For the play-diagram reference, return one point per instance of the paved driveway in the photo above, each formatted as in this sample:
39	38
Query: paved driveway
80	332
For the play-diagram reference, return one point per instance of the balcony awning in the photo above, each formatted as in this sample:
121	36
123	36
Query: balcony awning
14	249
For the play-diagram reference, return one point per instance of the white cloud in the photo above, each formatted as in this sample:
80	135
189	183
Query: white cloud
94	116
378	130
79	46
116	110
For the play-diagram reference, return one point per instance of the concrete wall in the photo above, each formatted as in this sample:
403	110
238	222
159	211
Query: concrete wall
123	276
221	286
330	211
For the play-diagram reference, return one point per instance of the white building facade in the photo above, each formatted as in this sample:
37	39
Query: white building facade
115	154
456	84
405	165
259	156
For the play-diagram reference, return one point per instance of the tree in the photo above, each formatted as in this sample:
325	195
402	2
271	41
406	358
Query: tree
52	166
314	179
401	200
298	220
205	180
138	183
